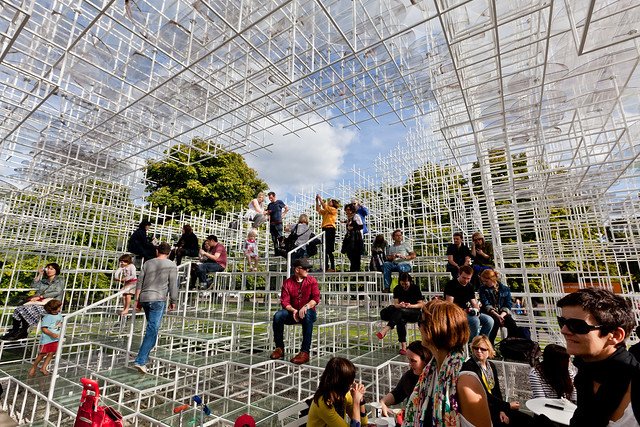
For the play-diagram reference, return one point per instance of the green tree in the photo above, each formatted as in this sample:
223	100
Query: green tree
191	179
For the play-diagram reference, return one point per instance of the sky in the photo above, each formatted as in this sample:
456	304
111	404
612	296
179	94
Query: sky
322	157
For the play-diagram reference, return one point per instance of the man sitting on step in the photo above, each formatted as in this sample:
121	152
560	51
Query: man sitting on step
299	298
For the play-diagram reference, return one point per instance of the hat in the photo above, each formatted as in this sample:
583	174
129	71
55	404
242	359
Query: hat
302	262
245	420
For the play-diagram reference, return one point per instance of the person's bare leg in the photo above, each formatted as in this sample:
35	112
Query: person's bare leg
32	371
47	359
126	300
383	332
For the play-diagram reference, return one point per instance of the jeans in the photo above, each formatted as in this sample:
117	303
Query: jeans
284	317
208	267
153	312
399	317
277	233
389	267
479	325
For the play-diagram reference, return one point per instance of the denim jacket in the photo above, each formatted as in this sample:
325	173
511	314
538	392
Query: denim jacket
501	302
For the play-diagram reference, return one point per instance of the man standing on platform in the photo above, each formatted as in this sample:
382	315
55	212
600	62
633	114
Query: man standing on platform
299	298
460	292
158	278
276	209
398	258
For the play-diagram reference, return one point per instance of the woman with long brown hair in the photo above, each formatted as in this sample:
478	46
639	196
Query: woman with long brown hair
552	377
337	396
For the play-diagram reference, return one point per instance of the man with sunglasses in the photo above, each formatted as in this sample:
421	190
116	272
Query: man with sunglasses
595	323
300	295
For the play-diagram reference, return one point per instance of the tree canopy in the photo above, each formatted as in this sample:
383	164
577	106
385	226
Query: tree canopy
191	179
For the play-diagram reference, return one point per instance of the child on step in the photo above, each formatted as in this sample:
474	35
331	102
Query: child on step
50	327
251	250
126	275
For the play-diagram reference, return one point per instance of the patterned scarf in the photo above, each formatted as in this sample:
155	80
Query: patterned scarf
487	374
435	392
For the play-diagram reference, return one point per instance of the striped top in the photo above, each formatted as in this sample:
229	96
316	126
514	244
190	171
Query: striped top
541	388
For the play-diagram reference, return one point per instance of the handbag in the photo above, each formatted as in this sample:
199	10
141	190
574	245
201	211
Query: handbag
312	246
92	415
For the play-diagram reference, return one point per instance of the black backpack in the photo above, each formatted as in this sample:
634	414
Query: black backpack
519	350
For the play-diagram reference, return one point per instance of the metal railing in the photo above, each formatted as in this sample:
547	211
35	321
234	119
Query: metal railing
317	237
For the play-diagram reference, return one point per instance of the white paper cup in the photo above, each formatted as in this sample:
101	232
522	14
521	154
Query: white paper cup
376	409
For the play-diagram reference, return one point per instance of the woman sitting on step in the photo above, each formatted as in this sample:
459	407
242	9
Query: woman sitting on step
48	285
407	303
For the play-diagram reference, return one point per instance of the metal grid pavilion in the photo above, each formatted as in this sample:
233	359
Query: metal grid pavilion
523	120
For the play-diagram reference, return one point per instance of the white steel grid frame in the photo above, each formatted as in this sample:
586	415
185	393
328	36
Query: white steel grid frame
524	125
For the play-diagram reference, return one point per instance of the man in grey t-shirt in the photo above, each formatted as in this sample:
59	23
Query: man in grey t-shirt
398	258
158	278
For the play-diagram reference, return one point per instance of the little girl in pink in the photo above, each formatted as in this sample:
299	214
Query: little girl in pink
251	249
126	275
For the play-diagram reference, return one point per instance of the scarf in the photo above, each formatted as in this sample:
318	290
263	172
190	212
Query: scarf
614	375
434	396
487	374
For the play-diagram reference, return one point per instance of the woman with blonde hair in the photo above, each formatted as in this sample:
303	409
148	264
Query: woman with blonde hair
445	396
502	412
255	212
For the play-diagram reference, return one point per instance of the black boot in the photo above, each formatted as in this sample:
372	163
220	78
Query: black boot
12	332
23	332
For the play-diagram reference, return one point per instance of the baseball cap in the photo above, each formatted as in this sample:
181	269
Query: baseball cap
302	262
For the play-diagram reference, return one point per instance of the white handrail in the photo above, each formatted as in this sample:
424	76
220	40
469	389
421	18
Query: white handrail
319	236
65	321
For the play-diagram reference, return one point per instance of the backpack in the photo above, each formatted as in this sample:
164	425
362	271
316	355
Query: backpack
519	350
312	247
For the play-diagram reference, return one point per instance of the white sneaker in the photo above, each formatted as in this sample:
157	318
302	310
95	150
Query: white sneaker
141	368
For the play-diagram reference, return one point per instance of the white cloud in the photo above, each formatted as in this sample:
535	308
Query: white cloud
312	158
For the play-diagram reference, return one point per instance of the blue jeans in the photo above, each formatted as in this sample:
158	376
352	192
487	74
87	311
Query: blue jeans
479	325
153	312
389	267
284	317
208	267
277	233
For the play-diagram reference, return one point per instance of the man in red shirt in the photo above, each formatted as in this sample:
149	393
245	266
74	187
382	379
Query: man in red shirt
215	260
300	295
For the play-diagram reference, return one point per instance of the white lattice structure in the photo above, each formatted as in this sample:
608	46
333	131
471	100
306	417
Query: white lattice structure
523	123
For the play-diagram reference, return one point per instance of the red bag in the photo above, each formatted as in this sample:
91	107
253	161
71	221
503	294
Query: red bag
92	415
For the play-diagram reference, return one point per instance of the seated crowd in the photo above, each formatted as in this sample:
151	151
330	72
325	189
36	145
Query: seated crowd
442	386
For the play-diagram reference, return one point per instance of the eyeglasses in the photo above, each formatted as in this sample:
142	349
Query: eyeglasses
477	239
482	349
304	268
577	326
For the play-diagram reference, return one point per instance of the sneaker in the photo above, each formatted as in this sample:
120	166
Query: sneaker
141	368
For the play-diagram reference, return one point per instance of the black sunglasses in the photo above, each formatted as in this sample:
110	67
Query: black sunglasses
577	326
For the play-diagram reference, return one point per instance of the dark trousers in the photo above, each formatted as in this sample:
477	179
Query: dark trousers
509	323
277	234
178	253
399	317
355	259
329	247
